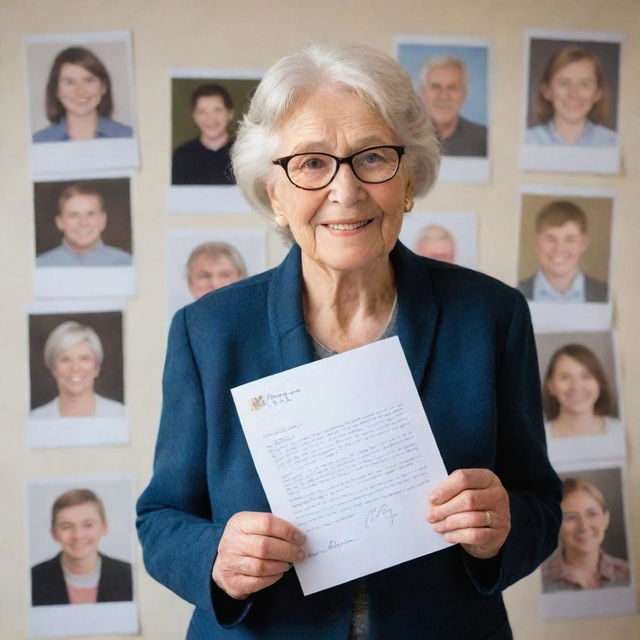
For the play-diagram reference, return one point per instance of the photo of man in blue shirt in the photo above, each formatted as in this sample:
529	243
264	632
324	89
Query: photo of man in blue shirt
81	219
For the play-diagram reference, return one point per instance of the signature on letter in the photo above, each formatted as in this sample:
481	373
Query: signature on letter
333	544
381	513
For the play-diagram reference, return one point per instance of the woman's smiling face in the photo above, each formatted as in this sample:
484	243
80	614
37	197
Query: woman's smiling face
348	224
78	530
79	90
584	522
573	91
75	369
574	386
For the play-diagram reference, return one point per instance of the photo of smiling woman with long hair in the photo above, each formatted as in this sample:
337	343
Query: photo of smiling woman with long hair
572	101
576	393
79	100
580	562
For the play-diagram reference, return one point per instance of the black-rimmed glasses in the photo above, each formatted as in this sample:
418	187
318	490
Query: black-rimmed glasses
313	171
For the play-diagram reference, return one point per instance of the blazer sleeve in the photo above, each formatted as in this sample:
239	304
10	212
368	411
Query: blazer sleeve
522	463
175	527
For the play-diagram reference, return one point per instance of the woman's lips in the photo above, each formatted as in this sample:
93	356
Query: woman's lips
348	227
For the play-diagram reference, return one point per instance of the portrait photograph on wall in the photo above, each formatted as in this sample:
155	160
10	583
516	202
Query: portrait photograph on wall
571	113
206	107
589	574
202	260
83	239
76	365
449	236
81	533
565	256
452	76
81	103
581	397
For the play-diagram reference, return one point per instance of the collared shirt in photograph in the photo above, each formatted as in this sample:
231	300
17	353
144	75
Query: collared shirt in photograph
593	135
101	256
544	291
557	575
468	140
106	128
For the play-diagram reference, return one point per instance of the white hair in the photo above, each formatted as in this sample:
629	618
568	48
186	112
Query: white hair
67	335
371	74
216	250
442	60
435	232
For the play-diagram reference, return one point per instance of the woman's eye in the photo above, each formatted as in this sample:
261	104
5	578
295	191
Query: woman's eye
372	158
314	164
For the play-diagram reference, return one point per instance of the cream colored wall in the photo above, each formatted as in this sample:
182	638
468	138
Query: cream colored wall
252	34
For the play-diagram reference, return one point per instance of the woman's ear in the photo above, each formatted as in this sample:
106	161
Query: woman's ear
281	221
544	90
549	386
280	217
408	195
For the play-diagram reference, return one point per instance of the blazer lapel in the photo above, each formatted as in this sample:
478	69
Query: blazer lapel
418	311
286	317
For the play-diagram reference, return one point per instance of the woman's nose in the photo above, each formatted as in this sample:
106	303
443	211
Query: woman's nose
574	90
345	187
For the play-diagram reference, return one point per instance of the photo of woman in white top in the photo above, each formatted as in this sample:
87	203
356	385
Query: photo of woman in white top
73	354
576	396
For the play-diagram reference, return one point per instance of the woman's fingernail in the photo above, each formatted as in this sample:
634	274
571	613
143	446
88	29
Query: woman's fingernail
300	555
434	498
299	538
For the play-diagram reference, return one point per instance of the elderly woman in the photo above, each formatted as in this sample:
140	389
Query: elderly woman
335	146
576	396
212	265
572	101
79	574
579	562
78	100
73	354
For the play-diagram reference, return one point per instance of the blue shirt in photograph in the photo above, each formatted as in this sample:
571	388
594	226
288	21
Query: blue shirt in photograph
101	256
593	135
544	291
106	128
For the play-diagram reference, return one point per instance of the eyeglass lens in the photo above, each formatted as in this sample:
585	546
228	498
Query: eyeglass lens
316	170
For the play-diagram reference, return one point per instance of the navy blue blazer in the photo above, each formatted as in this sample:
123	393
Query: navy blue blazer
470	347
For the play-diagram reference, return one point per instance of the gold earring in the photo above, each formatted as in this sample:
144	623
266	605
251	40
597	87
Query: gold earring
408	203
281	221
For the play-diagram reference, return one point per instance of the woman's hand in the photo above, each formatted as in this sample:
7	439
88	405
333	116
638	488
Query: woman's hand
254	552
471	507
